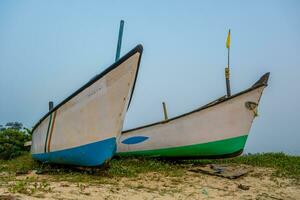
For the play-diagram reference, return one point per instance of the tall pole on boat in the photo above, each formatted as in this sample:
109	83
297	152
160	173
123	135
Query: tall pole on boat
227	69
119	40
165	111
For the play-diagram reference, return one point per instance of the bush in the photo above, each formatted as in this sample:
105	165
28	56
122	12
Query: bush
12	142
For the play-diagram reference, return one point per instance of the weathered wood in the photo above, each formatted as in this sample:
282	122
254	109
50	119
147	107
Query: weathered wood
226	171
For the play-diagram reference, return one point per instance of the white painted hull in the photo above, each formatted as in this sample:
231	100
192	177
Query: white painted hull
82	130
220	128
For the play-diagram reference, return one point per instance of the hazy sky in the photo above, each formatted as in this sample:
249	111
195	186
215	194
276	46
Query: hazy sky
48	49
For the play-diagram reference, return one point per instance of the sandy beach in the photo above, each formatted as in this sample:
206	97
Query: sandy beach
257	184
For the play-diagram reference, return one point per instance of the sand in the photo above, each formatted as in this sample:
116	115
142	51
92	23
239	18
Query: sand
258	184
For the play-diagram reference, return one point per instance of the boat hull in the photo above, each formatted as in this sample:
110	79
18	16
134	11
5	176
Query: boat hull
85	155
218	149
82	130
219	129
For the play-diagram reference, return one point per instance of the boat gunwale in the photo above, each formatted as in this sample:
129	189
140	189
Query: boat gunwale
262	82
137	49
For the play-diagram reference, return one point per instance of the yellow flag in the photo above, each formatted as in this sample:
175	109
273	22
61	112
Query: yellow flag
228	40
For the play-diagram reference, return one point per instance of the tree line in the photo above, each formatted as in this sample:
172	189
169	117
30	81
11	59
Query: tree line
13	135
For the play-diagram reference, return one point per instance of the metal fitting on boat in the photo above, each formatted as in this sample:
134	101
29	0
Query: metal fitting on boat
252	106
227	73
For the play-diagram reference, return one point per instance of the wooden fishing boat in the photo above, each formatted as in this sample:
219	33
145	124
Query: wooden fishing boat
82	129
216	130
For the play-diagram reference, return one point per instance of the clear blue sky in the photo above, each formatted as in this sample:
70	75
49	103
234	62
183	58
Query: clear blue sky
48	49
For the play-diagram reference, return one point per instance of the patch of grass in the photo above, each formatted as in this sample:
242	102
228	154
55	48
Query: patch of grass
284	165
21	187
131	167
20	164
24	164
28	188
119	167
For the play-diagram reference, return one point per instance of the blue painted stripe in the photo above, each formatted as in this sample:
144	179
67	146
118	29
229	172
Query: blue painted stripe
135	140
92	154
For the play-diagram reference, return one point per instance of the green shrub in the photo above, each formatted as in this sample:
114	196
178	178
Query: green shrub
12	142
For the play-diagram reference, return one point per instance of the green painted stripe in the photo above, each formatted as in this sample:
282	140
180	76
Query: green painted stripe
45	147
216	148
